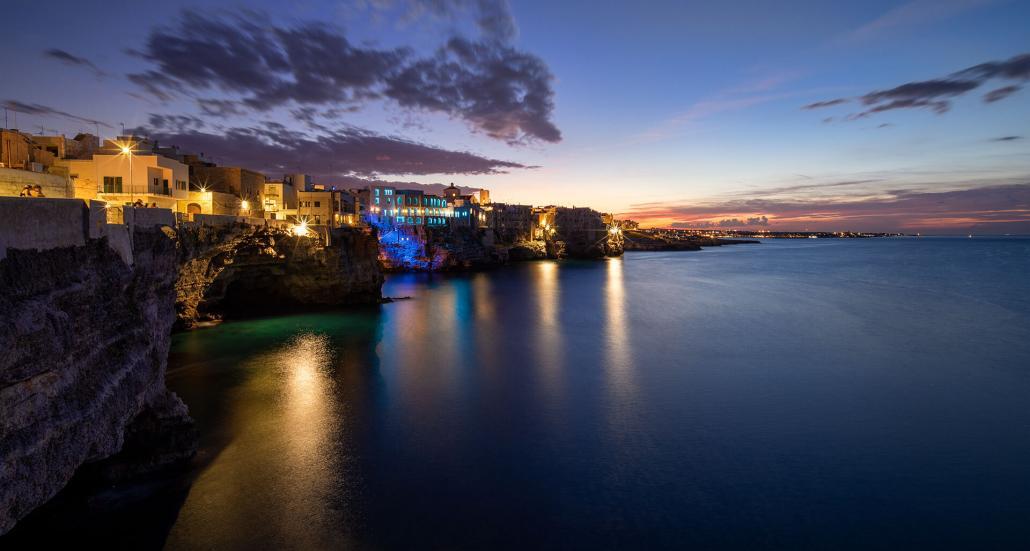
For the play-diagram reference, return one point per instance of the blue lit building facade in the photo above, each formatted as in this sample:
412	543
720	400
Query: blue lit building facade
388	206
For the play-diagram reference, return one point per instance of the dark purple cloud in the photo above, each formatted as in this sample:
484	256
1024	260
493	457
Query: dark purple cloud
827	103
272	148
254	64
504	93
1007	139
1001	93
71	59
936	94
46	111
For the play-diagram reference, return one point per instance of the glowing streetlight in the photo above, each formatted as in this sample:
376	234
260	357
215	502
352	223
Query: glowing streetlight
127	151
300	230
244	205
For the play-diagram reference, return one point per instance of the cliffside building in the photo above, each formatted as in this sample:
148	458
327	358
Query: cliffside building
126	171
412	207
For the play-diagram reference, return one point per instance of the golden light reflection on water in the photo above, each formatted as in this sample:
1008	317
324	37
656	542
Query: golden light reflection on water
618	363
549	334
483	299
616	328
284	455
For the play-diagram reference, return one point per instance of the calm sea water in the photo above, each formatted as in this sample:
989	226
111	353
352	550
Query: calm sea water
801	393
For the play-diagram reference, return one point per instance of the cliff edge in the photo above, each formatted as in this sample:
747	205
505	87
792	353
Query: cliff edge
86	311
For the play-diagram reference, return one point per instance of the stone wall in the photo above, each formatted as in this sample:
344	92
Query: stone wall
12	181
33	224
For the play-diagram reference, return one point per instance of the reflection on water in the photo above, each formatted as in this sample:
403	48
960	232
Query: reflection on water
863	393
287	441
617	331
548	331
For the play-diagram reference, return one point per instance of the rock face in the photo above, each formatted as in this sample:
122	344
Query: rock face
584	234
420	248
528	250
246	270
85	341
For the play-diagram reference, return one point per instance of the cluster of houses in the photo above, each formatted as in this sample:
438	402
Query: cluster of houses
134	171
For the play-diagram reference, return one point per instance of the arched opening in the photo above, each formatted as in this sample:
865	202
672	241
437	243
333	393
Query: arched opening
192	209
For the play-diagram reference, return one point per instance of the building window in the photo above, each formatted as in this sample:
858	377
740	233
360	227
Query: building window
377	193
112	184
318	219
377	200
164	187
318	204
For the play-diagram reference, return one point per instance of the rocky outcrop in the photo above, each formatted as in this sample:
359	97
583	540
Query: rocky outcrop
431	249
528	250
85	338
246	270
584	234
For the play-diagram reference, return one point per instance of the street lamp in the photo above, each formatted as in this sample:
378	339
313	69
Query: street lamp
127	150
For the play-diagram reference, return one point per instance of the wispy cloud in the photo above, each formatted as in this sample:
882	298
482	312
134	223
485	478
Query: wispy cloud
330	155
937	94
1003	208
738	98
46	111
73	60
911	14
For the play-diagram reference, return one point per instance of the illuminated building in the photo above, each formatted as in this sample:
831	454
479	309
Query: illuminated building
127	171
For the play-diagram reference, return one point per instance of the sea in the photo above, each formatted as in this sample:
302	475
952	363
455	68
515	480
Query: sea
791	394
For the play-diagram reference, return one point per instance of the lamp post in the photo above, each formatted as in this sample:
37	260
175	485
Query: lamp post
127	150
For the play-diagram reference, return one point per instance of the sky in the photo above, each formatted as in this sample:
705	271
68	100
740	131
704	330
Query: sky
909	116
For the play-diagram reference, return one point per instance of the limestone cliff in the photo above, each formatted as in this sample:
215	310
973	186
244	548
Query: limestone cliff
244	270
85	338
582	233
420	248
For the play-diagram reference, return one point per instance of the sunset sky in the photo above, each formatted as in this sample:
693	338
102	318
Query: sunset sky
877	116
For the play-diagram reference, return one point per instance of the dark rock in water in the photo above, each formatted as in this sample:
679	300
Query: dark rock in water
85	340
584	234
528	250
440	249
556	249
160	438
245	270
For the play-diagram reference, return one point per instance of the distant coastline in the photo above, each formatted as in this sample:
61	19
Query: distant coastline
684	233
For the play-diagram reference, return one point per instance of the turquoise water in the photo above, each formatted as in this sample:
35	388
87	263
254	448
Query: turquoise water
793	394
